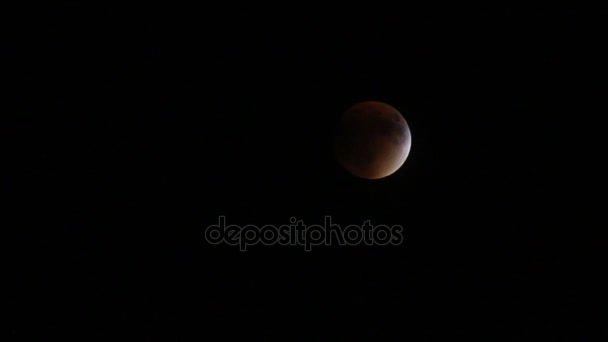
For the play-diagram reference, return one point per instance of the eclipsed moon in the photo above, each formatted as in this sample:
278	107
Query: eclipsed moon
373	140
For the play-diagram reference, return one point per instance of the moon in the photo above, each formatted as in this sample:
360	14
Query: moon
373	140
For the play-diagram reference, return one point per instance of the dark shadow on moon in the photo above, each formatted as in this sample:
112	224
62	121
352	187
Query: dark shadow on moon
368	138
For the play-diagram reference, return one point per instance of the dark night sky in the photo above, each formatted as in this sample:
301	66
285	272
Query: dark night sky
127	131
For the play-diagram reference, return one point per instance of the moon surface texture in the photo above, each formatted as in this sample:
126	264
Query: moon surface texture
373	140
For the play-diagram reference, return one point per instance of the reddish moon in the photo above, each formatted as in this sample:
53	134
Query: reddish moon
373	140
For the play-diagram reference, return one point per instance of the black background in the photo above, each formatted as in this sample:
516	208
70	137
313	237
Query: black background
127	131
